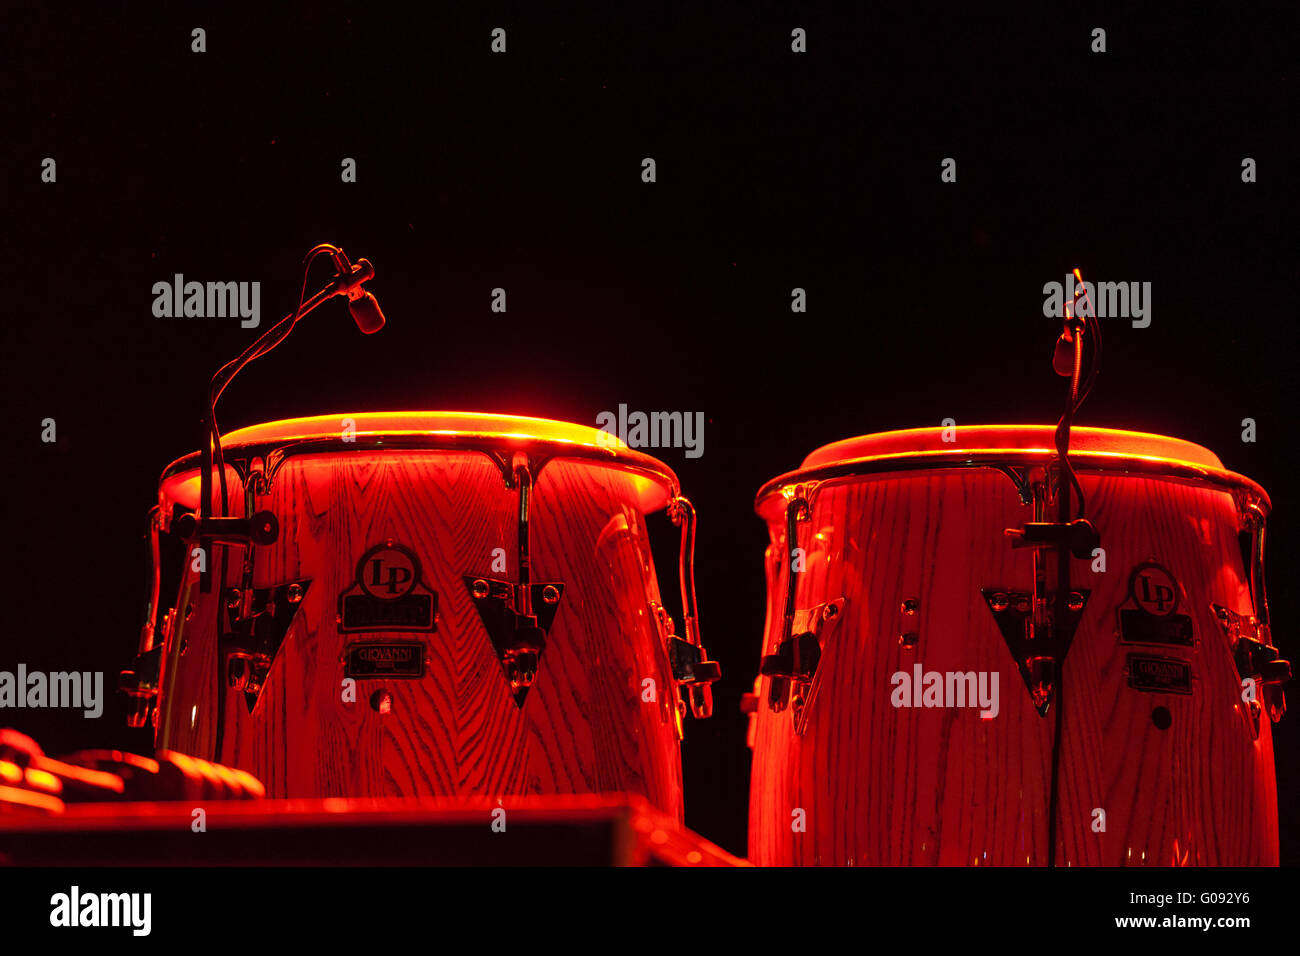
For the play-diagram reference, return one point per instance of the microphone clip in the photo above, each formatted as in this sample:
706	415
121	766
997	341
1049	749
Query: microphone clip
349	277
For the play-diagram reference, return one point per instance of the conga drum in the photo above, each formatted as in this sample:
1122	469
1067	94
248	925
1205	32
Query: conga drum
901	716
424	604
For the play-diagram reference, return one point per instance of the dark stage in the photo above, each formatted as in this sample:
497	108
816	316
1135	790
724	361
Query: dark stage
522	171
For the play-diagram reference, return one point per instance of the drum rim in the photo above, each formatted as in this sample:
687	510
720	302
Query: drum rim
1045	438
484	441
996	458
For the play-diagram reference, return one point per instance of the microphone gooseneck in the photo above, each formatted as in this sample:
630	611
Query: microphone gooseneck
365	312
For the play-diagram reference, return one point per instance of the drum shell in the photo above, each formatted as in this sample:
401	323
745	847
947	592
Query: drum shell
456	731
904	786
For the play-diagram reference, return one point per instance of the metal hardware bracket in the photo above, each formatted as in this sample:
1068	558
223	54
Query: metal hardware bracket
1037	655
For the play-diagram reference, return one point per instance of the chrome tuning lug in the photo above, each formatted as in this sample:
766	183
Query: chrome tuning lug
140	683
792	669
1256	657
692	669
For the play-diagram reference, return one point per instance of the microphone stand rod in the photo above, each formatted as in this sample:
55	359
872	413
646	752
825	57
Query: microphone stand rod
339	286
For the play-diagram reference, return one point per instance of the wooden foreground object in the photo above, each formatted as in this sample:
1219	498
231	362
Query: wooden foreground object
610	830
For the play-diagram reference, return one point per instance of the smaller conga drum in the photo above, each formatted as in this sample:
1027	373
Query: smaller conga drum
424	604
906	712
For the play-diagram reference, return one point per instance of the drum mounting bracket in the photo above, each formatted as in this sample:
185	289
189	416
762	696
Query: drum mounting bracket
517	637
1037	655
257	621
518	614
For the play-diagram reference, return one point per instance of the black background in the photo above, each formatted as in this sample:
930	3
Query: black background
522	171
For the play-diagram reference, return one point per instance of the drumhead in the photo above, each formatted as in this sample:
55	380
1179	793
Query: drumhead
1091	449
1018	438
394	432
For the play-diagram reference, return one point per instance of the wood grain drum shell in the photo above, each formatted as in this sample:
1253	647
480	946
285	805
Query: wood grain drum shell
906	520
428	483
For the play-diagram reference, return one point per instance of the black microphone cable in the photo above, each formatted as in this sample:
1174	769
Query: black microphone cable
1091	330
232	368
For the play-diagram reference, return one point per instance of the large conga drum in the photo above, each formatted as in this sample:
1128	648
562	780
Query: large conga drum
902	714
424	604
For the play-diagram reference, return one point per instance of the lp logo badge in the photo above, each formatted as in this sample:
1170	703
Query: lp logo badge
1154	590
1151	619
387	573
387	594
